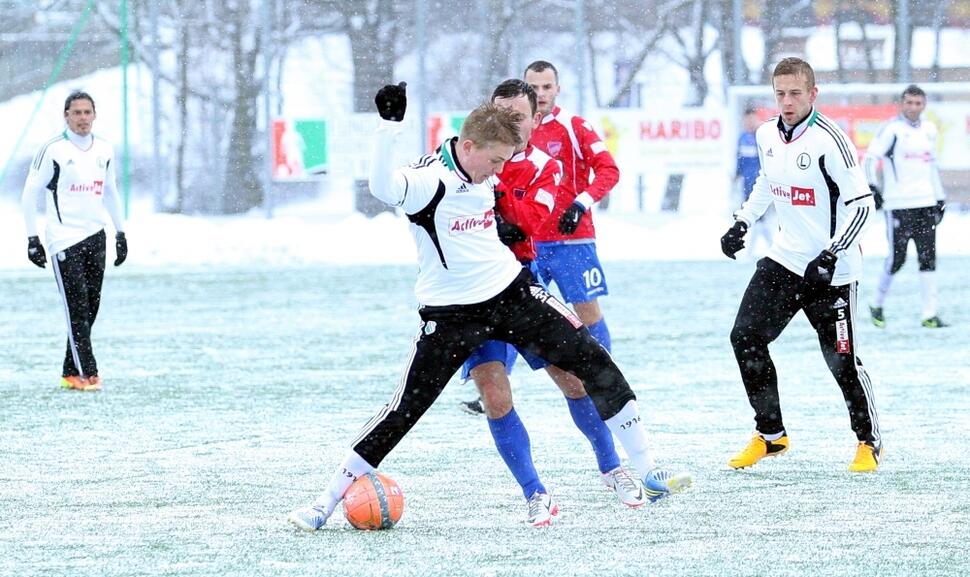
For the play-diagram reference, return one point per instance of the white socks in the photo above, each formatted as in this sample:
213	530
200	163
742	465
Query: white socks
353	467
927	289
626	426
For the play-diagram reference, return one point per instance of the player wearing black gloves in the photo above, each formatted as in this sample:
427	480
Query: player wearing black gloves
913	198
76	172
809	174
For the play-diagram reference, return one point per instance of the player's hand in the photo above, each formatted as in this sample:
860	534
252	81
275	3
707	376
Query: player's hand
35	251
821	269
940	209
392	101
876	195
569	221
733	239
510	233
121	248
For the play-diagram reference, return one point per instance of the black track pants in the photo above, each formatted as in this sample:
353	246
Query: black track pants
772	299
524	315
79	271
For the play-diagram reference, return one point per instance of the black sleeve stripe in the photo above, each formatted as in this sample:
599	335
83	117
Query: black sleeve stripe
43	150
852	232
848	202
839	139
407	186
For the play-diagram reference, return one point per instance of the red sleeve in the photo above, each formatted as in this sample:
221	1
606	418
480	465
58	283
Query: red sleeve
540	198
605	172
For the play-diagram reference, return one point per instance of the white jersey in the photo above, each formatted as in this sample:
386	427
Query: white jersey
819	192
911	178
461	259
77	173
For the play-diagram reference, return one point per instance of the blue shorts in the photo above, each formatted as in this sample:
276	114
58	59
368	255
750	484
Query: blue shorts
574	268
503	352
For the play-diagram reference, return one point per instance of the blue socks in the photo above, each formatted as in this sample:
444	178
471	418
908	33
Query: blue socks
512	442
588	420
601	333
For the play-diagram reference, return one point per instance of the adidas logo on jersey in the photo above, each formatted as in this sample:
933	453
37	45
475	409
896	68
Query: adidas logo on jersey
462	188
839	303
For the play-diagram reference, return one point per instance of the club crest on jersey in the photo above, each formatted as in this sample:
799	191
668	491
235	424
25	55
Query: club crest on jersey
518	193
543	295
471	223
555	147
803	161
429	327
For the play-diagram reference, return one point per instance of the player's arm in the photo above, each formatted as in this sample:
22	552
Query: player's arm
540	198
855	194
386	184
876	151
112	197
605	172
760	198
40	175
38	178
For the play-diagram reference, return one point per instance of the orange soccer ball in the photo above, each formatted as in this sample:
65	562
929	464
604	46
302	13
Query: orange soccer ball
374	502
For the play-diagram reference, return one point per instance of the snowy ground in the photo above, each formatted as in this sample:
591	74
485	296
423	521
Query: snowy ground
231	393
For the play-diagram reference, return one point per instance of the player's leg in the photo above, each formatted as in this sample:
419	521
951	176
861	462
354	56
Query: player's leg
492	356
71	278
446	338
898	235
924	235
540	324
488	370
94	264
768	305
577	272
833	315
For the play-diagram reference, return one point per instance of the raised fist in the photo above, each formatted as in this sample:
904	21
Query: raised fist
392	101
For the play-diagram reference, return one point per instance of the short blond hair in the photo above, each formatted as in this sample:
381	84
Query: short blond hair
795	67
491	124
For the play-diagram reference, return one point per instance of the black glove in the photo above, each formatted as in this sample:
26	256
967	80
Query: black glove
569	221
121	248
35	251
733	239
392	101
876	195
820	270
940	209
509	233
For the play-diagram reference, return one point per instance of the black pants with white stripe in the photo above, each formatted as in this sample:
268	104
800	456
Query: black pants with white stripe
772	299
79	271
918	224
524	315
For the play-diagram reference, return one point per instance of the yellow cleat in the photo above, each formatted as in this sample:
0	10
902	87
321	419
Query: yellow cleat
81	384
758	449
866	458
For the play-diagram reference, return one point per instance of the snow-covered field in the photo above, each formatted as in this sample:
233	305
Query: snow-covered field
234	383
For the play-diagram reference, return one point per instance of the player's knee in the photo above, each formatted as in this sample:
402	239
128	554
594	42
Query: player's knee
897	264
745	338
571	386
927	264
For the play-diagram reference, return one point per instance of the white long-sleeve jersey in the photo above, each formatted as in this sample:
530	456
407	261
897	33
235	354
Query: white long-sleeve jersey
910	175
78	175
819	192
461	259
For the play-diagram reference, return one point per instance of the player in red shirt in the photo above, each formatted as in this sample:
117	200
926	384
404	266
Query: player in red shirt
566	243
525	196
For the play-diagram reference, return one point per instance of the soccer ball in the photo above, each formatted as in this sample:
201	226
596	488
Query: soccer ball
374	502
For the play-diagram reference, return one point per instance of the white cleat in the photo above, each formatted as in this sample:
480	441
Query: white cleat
542	510
628	488
309	518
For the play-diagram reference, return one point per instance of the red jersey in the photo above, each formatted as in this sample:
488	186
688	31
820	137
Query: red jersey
526	194
573	142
